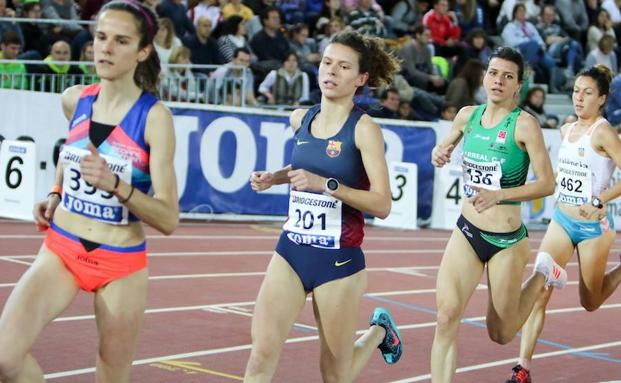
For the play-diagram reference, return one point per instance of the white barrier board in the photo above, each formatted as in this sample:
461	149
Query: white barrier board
404	191
18	162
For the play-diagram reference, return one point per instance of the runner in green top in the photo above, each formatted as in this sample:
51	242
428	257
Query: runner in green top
12	75
499	144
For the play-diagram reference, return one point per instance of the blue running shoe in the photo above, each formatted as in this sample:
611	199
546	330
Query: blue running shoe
392	345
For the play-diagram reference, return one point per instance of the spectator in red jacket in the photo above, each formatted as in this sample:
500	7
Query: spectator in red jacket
445	32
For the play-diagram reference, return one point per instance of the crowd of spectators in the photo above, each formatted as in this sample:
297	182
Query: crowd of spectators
275	47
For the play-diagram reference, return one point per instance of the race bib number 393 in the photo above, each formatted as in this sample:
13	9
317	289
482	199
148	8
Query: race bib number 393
82	198
481	174
314	219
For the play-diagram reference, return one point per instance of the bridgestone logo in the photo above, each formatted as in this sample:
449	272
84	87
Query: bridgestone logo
314	202
483	168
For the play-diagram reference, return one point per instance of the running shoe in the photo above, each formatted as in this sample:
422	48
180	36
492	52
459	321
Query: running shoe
555	275
520	375
392	345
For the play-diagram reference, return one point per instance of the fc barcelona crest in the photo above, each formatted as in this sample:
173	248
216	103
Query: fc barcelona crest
334	148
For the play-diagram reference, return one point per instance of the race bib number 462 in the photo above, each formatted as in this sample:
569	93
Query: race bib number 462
82	198
314	219
573	182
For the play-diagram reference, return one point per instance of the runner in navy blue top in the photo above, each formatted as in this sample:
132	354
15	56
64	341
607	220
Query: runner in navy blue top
338	171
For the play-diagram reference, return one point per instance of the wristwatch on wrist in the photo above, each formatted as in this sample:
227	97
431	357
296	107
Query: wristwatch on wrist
596	202
332	185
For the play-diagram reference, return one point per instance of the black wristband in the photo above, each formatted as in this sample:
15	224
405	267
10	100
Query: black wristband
54	193
117	180
131	192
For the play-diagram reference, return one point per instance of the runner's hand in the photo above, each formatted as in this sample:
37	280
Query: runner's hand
303	180
441	155
591	213
260	181
44	211
95	170
484	199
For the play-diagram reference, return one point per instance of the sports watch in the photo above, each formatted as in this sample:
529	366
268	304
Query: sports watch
596	202
332	185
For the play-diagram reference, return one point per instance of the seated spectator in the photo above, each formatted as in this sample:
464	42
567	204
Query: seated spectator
231	35
601	27
6	26
235	7
203	48
350	5
293	11
533	104
613	104
613	7
523	35
469	15
229	80
36	35
58	77
176	11
306	49
62	9
574	18
335	26
89	9
181	83
206	8
287	85
269	44
448	112
475	47
416	62
87	57
389	105
406	112
165	41
12	75
445	33
604	54
366	20
425	105
405	16
560	45
464	87
78	41
333	9
506	12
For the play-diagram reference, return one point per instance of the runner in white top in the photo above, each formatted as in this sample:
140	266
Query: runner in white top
589	153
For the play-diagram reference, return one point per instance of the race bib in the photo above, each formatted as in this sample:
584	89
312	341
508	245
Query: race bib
573	182
314	219
80	197
481	174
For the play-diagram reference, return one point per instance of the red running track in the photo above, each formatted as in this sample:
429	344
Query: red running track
204	280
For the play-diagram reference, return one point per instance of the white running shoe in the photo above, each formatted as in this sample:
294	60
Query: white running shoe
555	275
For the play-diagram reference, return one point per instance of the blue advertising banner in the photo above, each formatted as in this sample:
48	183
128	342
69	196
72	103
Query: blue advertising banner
218	149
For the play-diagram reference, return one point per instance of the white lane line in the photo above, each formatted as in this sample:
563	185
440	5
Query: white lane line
510	361
12	259
315	337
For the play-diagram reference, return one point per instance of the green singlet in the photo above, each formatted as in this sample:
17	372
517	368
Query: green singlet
491	158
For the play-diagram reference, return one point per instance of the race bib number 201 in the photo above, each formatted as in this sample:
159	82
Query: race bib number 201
314	220
82	198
